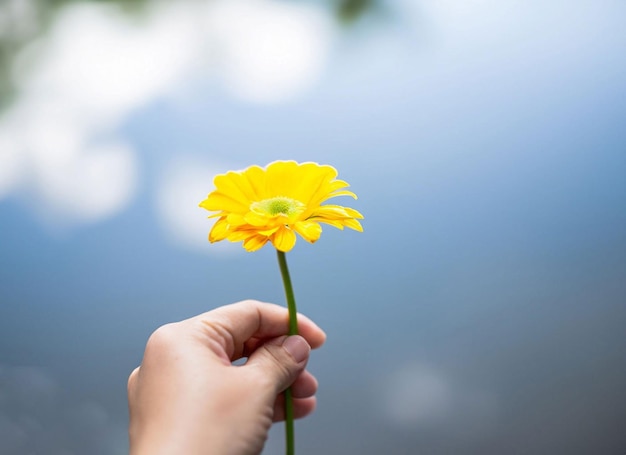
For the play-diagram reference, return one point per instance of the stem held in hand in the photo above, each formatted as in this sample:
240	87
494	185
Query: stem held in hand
293	330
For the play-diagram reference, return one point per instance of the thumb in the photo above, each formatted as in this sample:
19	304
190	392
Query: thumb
281	360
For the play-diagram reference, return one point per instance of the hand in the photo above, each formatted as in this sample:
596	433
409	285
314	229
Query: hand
188	398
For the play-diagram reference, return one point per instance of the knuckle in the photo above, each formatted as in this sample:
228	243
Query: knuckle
163	335
132	378
162	340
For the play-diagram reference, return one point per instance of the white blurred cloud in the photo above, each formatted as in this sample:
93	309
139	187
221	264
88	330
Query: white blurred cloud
183	184
96	185
270	51
61	142
82	81
10	164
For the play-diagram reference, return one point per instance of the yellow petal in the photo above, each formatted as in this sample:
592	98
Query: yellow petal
240	234
256	177
353	213
219	230
235	220
332	212
235	185
284	239
335	212
318	185
218	201
268	232
334	223
281	178
312	182
309	230
254	242
353	224
341	193
256	219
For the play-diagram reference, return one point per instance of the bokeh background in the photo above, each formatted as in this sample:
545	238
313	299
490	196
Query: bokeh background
483	309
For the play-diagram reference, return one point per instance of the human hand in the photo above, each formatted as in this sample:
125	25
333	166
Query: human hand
188	398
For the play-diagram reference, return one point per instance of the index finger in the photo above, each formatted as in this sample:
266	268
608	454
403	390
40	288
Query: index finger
233	325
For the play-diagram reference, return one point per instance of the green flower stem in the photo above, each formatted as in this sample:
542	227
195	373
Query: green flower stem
293	330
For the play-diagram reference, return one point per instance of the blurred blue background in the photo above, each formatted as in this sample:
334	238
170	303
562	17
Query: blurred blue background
483	309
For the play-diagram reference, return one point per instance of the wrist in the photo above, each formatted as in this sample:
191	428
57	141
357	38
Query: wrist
180	438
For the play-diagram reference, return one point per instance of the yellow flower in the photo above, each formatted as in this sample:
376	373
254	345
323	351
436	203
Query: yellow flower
274	203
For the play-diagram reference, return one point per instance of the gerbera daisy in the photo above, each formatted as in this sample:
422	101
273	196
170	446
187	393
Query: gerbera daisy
274	203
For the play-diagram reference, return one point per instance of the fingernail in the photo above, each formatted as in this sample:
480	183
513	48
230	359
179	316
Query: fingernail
297	347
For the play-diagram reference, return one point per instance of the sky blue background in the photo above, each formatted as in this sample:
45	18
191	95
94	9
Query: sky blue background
489	286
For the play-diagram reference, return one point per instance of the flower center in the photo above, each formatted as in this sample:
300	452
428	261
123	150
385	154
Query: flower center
278	205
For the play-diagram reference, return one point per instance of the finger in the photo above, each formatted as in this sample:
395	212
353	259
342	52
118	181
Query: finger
278	363
302	407
233	325
304	386
254	343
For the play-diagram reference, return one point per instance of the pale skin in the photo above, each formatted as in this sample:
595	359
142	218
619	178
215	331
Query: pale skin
187	396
